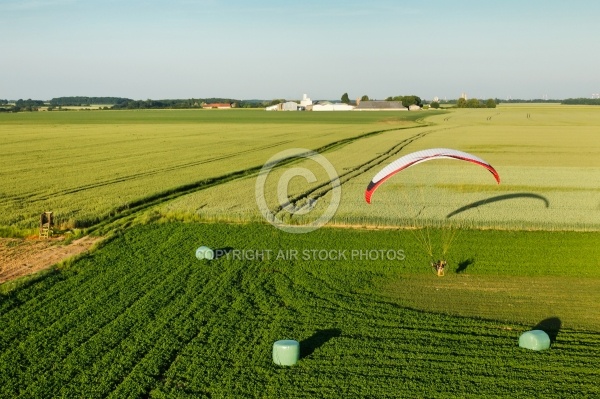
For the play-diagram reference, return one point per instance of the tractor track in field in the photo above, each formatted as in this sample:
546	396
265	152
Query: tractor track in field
123	215
314	194
47	196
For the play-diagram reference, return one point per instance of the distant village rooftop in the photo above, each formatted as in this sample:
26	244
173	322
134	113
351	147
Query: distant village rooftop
380	105
217	105
308	105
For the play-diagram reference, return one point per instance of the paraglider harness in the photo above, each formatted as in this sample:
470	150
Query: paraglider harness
439	267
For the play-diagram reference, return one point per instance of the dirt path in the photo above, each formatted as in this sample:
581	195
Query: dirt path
21	257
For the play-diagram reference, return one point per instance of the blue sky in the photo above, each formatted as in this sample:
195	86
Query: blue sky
284	48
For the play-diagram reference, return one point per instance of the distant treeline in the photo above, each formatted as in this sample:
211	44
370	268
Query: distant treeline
407	101
126	103
186	103
158	104
533	100
83	101
509	101
21	105
581	101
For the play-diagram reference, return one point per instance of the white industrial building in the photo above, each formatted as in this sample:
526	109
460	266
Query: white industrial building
329	106
307	104
305	101
286	106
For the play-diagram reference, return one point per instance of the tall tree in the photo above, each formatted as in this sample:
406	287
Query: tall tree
345	98
473	103
490	103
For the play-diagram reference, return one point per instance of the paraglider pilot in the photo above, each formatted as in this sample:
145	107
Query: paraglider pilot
439	267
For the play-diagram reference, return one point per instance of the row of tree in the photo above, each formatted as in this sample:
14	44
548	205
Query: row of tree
21	105
189	103
158	104
406	100
76	101
125	103
475	103
581	101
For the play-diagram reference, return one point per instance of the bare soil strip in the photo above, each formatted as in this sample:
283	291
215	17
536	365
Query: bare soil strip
22	257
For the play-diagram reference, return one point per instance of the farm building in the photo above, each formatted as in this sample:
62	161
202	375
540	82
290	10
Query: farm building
291	105
217	105
380	106
286	106
306	104
329	106
305	101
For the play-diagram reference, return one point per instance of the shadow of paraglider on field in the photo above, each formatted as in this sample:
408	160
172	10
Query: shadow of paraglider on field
462	266
497	198
317	340
550	326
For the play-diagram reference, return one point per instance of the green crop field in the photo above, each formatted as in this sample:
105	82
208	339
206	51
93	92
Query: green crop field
141	316
85	166
548	163
89	166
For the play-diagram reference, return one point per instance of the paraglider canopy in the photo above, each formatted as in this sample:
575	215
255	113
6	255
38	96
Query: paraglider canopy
423	156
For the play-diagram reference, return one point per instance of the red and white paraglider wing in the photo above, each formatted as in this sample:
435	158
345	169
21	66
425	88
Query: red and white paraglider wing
422	156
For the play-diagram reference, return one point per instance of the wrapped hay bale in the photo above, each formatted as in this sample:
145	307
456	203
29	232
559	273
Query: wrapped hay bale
536	340
286	352
204	252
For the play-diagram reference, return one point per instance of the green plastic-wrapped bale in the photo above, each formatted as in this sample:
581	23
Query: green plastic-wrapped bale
536	340
205	252
286	352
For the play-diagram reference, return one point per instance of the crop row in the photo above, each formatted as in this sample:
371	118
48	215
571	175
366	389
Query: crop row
142	154
95	168
143	317
545	184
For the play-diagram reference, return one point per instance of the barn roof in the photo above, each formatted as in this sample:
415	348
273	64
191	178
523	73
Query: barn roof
217	105
380	105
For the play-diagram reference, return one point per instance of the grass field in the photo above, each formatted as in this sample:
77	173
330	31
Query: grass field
140	316
548	163
85	166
